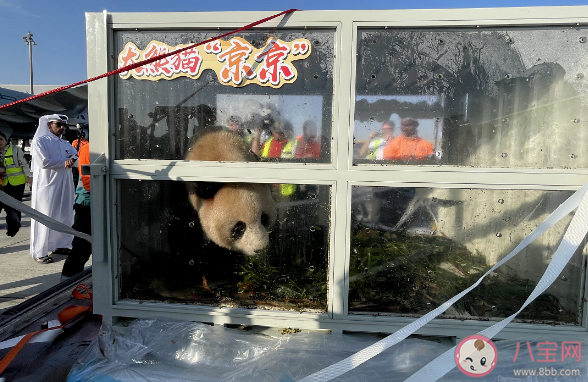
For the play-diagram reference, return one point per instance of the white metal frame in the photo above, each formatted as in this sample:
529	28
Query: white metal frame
340	174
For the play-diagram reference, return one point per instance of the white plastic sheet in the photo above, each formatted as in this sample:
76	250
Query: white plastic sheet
163	350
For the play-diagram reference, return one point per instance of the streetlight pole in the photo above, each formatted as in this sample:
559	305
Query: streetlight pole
30	42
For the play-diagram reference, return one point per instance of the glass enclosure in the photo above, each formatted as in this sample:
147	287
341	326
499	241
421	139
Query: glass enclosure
170	252
411	158
272	89
412	249
163	107
476	97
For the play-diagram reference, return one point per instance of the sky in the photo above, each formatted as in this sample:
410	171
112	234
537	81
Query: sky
58	27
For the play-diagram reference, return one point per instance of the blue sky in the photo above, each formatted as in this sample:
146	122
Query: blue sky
58	27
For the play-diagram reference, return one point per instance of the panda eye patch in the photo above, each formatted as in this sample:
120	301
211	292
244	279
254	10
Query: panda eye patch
265	220
238	230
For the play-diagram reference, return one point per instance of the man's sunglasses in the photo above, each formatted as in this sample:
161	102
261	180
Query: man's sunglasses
60	124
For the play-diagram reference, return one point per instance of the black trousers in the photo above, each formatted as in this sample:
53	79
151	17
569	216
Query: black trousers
16	192
12	215
80	249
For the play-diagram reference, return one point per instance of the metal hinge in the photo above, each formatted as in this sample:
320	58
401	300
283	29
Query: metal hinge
98	167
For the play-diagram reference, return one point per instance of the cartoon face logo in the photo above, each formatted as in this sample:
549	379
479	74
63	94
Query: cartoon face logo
476	356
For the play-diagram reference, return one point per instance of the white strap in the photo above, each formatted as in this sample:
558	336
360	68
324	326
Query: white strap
572	239
41	218
559	260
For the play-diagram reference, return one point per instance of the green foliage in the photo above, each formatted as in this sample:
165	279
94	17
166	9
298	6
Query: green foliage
397	272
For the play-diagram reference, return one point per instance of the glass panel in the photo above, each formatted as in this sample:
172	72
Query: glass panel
414	248
251	245
475	98
164	106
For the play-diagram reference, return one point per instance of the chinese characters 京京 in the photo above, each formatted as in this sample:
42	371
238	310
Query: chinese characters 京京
235	61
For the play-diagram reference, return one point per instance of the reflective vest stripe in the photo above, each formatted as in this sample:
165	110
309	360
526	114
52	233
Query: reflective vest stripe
287	189
287	152
372	154
266	147
289	149
15	175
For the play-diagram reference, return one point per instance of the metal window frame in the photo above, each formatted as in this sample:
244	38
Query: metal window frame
340	173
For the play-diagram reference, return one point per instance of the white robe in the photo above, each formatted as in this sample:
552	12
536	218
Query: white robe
52	192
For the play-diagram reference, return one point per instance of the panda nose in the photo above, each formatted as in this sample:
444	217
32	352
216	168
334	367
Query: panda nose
259	251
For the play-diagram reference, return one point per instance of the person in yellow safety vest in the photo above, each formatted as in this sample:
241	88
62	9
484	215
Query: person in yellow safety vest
17	174
288	152
12	222
272	147
289	148
279	145
373	148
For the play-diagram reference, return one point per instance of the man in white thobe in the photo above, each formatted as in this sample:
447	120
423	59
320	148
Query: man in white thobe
53	190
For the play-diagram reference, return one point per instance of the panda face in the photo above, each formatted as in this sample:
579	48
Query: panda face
236	216
239	217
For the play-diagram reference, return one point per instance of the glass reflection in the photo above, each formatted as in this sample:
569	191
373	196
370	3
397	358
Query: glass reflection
414	248
483	98
171	252
290	121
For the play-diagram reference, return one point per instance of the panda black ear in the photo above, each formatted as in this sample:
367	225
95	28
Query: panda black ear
204	190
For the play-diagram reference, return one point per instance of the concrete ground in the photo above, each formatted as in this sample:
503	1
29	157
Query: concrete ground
20	276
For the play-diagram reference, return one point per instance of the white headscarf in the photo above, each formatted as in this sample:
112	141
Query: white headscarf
43	128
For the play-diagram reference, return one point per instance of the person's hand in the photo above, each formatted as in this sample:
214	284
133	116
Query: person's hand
30	180
373	135
69	163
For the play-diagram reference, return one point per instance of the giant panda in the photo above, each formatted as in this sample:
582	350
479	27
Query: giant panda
235	216
209	230
212	228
